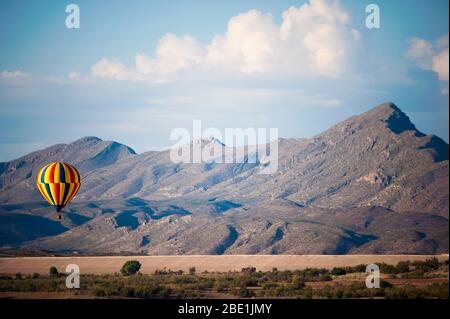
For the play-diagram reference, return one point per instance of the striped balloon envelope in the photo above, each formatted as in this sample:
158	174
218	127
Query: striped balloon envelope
58	183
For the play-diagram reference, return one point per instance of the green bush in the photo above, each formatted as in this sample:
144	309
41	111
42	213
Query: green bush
53	272
338	271
130	267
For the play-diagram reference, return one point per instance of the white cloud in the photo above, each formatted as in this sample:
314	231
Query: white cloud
172	55
431	57
249	45
440	64
14	74
317	32
314	38
111	69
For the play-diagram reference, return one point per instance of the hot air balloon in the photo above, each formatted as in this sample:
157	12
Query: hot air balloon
58	183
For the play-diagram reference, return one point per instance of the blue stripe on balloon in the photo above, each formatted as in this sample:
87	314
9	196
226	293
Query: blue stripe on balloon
66	193
43	174
62	174
49	193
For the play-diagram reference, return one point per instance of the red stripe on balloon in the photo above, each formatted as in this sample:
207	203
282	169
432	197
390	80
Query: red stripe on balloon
72	175
57	193
51	175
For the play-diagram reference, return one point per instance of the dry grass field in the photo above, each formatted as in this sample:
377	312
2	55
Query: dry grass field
222	263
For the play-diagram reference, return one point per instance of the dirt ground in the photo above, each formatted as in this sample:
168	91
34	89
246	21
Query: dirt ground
222	263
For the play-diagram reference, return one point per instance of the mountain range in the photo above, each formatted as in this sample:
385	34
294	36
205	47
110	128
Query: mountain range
372	184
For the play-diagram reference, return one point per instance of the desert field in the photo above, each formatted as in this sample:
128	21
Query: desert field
221	263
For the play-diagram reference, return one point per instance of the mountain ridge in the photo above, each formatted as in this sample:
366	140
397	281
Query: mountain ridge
372	183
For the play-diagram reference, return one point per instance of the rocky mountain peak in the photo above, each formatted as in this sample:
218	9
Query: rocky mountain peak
393	116
88	140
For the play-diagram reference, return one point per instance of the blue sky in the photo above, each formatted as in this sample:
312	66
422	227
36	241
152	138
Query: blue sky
135	70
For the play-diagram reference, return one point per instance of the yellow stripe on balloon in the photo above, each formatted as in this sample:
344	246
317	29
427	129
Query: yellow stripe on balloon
57	175
47	173
62	187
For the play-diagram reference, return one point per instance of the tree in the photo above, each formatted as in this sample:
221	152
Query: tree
130	267
53	271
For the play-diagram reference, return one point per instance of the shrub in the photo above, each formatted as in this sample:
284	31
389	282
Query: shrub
338	271
53	272
249	270
427	265
192	270
357	268
130	267
298	283
403	266
385	284
243	292
388	269
99	292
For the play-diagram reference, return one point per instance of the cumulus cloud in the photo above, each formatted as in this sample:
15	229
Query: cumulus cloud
318	33
249	45
111	69
172	55
431	57
314	38
14	74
